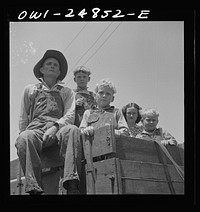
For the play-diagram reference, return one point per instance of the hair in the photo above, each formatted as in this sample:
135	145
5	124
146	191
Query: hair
82	69
134	105
106	83
149	111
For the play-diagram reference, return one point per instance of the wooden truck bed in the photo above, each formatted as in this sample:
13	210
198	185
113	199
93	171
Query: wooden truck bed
119	165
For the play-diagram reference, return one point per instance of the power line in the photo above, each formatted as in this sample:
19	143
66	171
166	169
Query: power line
102	43
75	37
89	49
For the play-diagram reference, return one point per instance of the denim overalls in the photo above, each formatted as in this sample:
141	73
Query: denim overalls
47	107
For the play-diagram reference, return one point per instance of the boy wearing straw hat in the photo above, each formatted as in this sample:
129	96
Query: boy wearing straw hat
46	117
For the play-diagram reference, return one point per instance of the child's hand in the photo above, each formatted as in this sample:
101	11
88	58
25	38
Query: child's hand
124	132
49	135
170	142
164	142
79	102
88	130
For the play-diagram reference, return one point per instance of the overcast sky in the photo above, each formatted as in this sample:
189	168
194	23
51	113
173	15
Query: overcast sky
145	60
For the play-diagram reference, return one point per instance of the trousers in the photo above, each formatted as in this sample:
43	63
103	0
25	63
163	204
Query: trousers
29	145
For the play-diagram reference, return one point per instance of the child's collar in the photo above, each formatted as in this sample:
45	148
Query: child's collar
81	89
108	108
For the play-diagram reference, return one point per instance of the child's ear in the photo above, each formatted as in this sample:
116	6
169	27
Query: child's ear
113	98
74	79
88	79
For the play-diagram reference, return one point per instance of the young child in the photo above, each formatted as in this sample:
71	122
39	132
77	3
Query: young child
84	98
104	113
151	132
132	116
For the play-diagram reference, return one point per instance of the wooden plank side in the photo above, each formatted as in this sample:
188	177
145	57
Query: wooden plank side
179	188
106	182
144	187
103	141
176	153
148	178
142	170
129	148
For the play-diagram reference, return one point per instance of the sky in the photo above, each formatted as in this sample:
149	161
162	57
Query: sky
145	61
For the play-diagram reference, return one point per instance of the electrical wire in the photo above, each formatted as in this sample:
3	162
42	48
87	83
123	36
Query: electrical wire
97	48
103	43
75	37
89	49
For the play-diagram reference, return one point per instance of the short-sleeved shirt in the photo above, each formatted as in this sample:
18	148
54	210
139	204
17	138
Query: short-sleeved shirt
96	117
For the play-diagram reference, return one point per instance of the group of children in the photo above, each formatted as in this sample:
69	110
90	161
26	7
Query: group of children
125	120
51	113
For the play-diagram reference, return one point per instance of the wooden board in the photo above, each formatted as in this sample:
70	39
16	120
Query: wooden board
128	148
115	176
149	178
103	141
107	177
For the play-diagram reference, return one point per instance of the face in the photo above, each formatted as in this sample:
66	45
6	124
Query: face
81	79
50	68
150	122
104	97
131	114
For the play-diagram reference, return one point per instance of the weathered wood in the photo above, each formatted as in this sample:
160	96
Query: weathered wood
138	167
128	148
107	181
90	171
103	141
149	178
134	169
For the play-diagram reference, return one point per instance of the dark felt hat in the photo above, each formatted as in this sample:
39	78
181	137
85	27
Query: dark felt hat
57	55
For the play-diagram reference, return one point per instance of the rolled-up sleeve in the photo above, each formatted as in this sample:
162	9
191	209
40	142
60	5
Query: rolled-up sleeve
68	97
121	122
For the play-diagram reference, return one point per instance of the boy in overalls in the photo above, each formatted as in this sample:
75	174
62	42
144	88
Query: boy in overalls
46	117
103	113
84	98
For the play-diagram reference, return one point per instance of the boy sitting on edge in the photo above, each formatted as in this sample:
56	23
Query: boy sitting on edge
151	132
